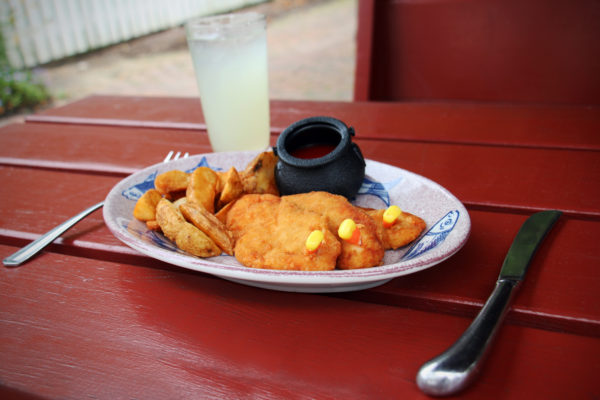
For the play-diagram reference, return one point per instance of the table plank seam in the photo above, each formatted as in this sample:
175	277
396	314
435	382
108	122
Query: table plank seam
468	309
275	130
80	167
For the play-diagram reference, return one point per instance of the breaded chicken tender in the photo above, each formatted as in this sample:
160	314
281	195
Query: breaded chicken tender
407	228
271	233
250	210
370	251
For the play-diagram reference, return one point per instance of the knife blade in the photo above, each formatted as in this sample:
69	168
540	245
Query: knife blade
454	369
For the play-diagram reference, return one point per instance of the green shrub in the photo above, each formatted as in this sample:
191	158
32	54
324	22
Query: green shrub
19	90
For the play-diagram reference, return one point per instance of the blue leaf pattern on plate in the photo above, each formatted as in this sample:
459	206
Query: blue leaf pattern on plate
434	236
203	163
136	191
378	189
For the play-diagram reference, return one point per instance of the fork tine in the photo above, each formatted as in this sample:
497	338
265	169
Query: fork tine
172	156
168	157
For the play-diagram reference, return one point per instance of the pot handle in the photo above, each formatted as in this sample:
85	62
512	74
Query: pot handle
358	153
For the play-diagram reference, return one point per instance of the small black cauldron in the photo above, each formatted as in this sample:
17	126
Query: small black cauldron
317	154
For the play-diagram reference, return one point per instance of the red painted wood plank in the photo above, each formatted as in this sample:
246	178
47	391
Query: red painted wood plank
523	179
118	150
475	123
111	150
485	176
560	291
74	328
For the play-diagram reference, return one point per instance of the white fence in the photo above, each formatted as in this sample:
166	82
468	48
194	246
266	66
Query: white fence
39	31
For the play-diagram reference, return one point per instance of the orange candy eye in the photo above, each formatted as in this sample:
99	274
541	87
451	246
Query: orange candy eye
390	216
349	231
314	240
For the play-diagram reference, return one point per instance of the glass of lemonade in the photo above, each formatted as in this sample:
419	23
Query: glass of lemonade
229	52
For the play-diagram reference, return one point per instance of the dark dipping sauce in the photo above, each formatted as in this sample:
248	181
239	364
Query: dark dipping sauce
312	151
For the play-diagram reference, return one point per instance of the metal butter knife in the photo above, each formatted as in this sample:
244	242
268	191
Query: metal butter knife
455	369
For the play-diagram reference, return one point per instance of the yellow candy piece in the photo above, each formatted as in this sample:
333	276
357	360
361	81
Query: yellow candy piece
314	240
391	215
346	229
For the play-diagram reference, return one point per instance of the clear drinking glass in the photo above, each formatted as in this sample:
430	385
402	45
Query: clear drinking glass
230	60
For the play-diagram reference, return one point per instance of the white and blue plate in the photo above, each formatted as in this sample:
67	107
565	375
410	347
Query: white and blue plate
448	227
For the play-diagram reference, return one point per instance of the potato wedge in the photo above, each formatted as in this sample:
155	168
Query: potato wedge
209	224
145	207
177	203
153	225
194	241
185	235
221	215
171	181
230	187
174	196
202	188
169	218
259	175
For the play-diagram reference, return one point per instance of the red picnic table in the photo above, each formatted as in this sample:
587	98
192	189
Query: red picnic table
89	317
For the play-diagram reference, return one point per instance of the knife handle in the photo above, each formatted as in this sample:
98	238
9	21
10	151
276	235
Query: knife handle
454	369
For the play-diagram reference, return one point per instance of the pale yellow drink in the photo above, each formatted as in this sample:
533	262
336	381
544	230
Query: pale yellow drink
230	61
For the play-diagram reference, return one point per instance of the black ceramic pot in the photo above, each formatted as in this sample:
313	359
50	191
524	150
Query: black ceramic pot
317	154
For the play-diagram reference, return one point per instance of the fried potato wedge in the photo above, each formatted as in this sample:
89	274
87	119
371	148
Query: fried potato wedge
222	213
169	218
171	182
407	228
194	241
202	188
230	187
259	175
209	224
177	203
174	196
153	225
185	235
145	207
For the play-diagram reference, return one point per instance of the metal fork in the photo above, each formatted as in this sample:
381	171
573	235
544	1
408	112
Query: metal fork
37	245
